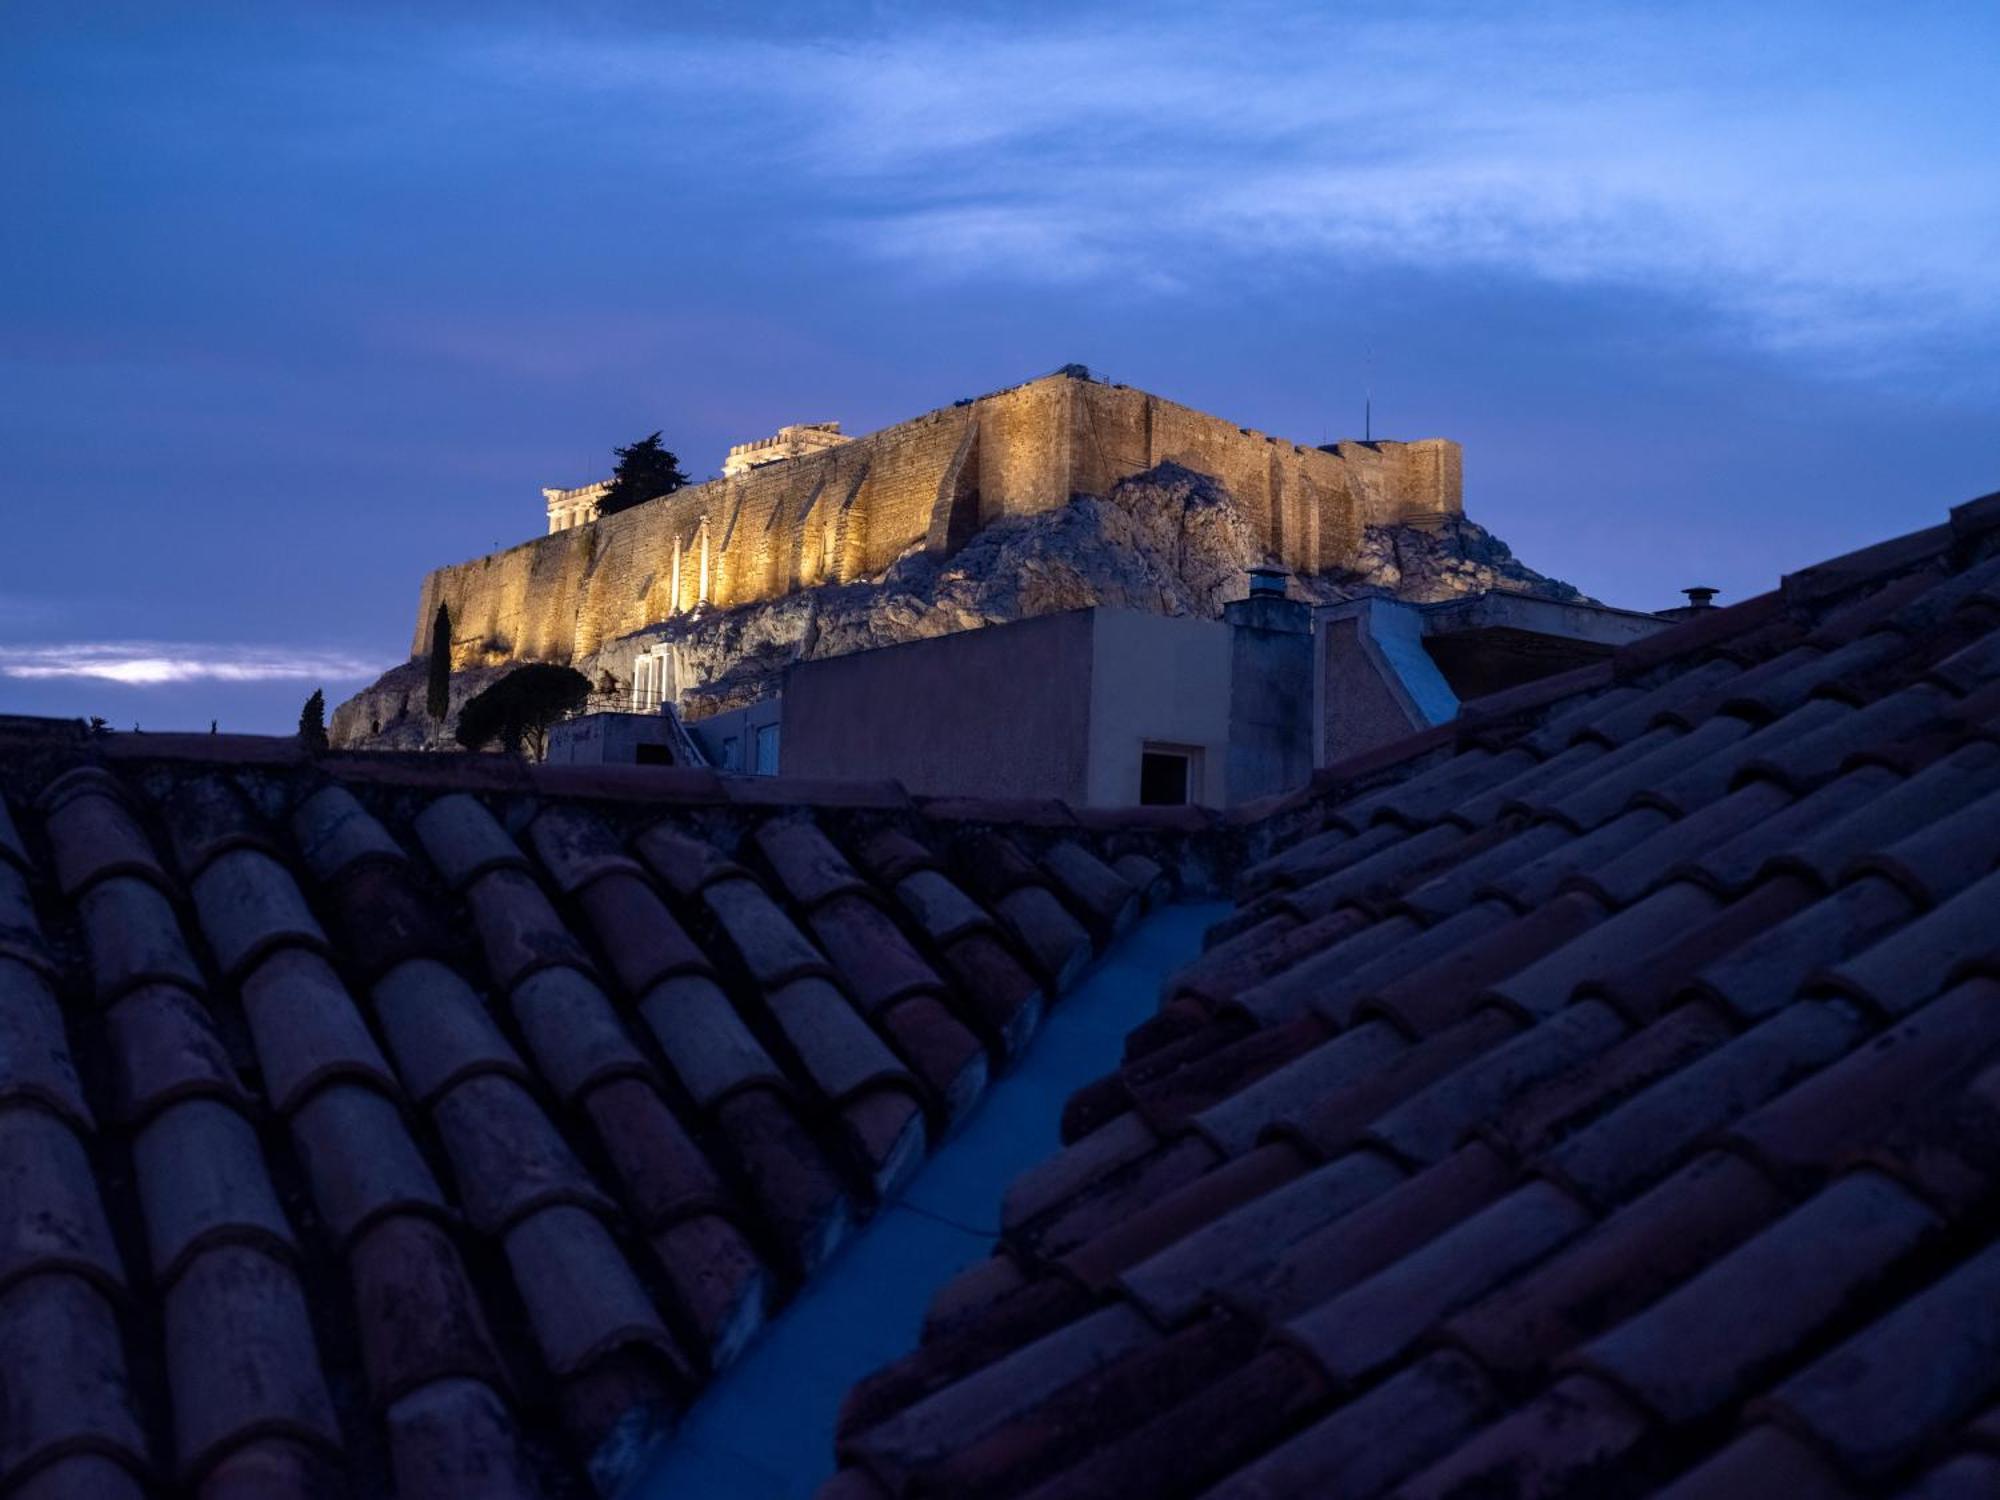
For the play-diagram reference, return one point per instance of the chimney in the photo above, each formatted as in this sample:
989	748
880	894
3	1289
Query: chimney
1700	598
1266	607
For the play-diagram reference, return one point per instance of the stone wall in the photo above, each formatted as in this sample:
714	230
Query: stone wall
852	510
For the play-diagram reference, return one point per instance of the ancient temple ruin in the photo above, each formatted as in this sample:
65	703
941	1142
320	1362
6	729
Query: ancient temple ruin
811	505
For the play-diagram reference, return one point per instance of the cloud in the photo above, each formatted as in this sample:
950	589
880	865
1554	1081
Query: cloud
157	663
1814	180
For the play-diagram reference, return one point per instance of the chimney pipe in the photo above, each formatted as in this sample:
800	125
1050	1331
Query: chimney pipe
1269	581
1700	597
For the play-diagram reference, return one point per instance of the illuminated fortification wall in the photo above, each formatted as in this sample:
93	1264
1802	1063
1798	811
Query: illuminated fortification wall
850	511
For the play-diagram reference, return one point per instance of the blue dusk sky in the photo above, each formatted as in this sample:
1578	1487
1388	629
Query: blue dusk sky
302	300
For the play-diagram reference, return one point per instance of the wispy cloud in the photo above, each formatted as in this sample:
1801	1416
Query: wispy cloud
157	663
1814	180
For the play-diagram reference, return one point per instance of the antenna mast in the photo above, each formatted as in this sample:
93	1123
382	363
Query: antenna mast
1368	399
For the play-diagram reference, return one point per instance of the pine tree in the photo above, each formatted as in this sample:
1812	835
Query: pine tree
521	708
645	471
439	702
312	722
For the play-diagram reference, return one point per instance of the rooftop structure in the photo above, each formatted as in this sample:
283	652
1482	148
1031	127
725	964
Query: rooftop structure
574	507
1598	1094
787	443
1593	1094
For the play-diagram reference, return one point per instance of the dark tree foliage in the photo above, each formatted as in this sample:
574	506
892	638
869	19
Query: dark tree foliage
645	471
439	697
521	708
312	722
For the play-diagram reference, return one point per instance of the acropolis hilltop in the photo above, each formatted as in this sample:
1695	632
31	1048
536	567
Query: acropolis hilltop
810	506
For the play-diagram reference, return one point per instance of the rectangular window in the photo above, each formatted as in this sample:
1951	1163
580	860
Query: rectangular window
1163	778
656	755
732	754
767	749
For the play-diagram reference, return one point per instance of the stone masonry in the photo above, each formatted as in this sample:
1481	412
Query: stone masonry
849	510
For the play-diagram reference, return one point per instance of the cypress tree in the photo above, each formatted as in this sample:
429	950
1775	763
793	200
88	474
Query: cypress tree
439	701
312	722
646	470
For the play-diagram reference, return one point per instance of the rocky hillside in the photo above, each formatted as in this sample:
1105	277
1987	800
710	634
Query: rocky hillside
1169	541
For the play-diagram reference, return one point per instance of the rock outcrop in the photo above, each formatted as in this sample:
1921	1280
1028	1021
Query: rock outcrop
1169	541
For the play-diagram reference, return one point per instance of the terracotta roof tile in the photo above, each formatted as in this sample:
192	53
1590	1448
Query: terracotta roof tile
809	867
1731	824
713	1054
1234	1125
1839	811
271	1466
1970	1476
35	1061
686	864
357	1153
575	848
1861	1403
641	939
417	1315
307	1030
1002	999
664	1173
939	1050
1370	1443
873	957
334	833
1056	942
1907	968
720	1283
508	1159
1769	969
202	1182
242	1360
1429	1125
1330	980
796	1189
1370	1325
1807	1131
1446	990
51	1219
1647	985
80	1476
249	908
67	1389
438	1031
1710	1340
1577	1433
940	907
1340	1121
572	1150
455	1438
207	817
1764	1461
383	920
12	848
463	840
1106	898
1344	1251
573	1033
1643	1250
519	931
581	1296
133	938
93	834
1774	806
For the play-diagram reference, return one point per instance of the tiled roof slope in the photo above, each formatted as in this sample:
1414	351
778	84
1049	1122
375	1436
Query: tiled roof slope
1602	1100
370	1125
